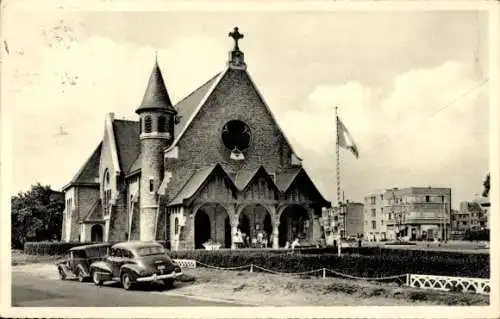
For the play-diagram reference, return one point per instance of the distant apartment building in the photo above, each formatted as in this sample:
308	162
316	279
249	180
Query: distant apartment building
348	222
374	227
354	217
412	213
471	215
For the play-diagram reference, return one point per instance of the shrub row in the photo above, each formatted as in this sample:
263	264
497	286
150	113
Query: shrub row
55	248
375	265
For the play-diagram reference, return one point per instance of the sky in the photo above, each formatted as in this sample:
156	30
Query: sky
410	86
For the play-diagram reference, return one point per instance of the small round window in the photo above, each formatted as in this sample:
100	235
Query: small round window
236	135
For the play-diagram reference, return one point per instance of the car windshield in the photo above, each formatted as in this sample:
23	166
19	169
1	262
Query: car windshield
150	250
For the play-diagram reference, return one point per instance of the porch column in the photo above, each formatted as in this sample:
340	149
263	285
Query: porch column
275	221
233	221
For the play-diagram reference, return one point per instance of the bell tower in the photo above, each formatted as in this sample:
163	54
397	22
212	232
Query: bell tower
156	121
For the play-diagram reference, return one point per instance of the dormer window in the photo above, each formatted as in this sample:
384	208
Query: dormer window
148	124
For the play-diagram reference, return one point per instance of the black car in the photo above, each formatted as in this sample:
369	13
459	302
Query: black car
133	262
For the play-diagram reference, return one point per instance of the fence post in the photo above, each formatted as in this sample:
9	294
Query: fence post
251	267
324	273
407	279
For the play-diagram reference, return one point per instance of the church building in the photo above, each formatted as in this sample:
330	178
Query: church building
214	165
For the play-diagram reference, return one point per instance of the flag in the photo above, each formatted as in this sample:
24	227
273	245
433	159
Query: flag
344	138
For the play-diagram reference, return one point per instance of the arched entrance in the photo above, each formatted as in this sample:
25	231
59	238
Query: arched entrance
212	223
255	222
202	229
294	223
96	233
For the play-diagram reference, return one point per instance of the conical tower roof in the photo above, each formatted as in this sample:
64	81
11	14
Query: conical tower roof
156	96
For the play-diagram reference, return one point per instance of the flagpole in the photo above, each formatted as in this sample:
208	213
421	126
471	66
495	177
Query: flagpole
337	149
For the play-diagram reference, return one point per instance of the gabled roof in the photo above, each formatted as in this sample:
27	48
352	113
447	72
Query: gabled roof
94	213
128	143
136	165
193	184
240	181
89	172
285	179
156	96
203	93
188	105
244	176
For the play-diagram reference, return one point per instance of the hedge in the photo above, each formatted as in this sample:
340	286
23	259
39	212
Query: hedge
56	248
356	261
375	265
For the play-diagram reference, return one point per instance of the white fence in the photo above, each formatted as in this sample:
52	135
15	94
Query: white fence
447	283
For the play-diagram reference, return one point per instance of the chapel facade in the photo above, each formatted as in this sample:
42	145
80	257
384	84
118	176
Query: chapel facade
212	166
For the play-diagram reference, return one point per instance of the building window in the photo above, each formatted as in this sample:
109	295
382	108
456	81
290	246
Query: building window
162	124
442	199
382	197
374	224
151	185
107	192
176	225
381	222
374	212
427	199
372	200
140	125
148	124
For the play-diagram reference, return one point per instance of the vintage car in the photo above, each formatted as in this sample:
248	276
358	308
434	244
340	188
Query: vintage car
77	261
135	262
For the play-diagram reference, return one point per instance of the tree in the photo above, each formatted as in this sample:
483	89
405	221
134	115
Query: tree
486	185
36	215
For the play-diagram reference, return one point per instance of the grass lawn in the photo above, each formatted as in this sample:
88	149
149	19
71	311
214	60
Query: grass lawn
268	289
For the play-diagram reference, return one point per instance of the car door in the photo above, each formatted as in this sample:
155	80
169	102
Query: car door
114	260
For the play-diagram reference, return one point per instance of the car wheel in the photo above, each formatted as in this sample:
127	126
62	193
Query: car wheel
95	278
168	283
126	281
79	274
62	275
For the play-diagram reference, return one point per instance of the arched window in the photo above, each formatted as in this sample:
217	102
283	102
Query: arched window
148	124
107	192
162	124
176	225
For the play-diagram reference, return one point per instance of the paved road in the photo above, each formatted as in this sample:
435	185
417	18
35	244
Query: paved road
39	290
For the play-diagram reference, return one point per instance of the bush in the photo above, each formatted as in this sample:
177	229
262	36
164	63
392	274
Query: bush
479	234
59	248
385	262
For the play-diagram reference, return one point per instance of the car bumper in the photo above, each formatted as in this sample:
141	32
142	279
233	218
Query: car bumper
159	277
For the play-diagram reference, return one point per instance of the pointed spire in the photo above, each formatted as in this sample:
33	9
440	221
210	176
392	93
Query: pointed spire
156	96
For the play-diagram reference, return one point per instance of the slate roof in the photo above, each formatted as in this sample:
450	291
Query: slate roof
128	143
188	105
94	213
89	172
244	176
156	95
136	165
193	183
285	179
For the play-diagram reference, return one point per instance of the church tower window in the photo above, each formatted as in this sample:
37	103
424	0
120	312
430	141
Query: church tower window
151	185
148	124
162	124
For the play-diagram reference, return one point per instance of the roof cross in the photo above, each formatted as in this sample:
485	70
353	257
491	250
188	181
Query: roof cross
236	35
